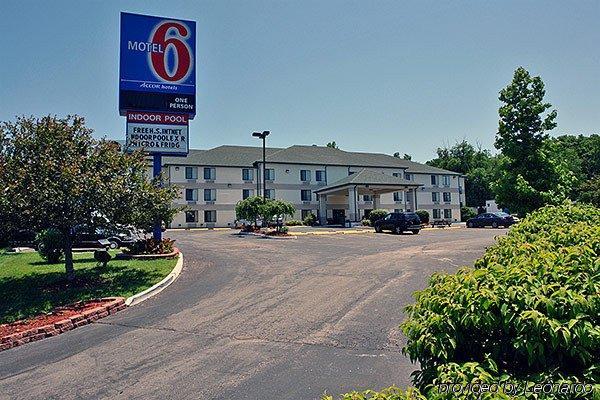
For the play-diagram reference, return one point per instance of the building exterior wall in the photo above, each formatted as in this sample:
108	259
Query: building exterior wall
228	186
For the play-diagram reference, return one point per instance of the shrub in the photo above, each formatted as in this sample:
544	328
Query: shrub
366	222
310	220
284	229
293	222
377	214
467	213
391	393
151	246
50	244
423	216
528	311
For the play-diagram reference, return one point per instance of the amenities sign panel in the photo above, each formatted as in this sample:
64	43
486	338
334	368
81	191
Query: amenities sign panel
157	133
157	64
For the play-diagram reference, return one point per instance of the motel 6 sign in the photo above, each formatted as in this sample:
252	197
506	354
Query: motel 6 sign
157	65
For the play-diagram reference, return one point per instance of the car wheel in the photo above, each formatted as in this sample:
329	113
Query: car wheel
494	224
398	230
378	229
415	231
114	245
470	225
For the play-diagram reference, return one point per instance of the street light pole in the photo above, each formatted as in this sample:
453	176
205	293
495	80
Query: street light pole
263	135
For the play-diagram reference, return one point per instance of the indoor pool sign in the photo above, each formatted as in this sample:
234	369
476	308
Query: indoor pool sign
157	65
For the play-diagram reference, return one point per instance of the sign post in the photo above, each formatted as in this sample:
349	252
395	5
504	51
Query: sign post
157	86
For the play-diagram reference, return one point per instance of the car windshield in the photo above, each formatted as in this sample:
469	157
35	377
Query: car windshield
501	214
389	216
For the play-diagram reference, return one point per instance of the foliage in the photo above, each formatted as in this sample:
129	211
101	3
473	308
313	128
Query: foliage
589	191
531	173
391	393
377	214
293	222
332	144
56	175
50	244
529	310
275	208
404	157
249	208
310	220
151	246
366	222
284	229
467	213
423	216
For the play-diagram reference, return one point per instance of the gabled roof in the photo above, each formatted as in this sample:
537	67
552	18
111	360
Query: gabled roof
369	177
225	156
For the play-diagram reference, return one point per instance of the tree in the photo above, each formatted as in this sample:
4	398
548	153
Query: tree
249	208
530	173
404	157
333	145
589	191
582	155
275	208
55	175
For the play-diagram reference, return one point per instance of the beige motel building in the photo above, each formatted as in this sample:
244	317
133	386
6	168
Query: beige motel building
335	185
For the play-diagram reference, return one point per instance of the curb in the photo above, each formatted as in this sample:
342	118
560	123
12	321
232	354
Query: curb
290	237
86	317
159	287
347	232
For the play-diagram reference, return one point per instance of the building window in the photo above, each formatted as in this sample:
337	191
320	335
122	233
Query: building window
407	176
270	193
436	213
305	195
210	216
396	174
191	195
320	176
305	175
191	216
397	196
447	197
247	193
210	174
210	194
447	213
191	172
368	197
397	210
305	213
270	174
435	196
446	180
434	179
247	174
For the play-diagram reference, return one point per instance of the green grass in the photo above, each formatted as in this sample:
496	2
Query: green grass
30	286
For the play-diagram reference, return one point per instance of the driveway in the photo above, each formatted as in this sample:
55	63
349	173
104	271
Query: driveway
252	318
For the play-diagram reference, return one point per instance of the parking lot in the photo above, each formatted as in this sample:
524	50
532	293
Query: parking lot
253	318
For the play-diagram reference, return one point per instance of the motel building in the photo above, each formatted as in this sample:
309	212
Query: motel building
333	184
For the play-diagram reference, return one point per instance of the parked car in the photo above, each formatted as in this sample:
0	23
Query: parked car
90	237
398	223
494	220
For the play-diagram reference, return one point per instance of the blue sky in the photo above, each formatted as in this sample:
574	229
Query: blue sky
379	76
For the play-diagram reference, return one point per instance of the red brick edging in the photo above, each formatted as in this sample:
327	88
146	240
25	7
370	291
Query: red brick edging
17	339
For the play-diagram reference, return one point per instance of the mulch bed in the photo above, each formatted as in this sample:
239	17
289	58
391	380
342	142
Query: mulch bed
60	320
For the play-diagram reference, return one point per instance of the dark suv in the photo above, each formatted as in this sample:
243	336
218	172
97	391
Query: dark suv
491	219
398	223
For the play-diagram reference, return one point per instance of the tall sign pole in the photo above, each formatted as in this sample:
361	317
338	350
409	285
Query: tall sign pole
157	86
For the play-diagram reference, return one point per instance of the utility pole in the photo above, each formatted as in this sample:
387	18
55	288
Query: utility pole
263	135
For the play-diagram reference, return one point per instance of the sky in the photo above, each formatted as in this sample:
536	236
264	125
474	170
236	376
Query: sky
378	76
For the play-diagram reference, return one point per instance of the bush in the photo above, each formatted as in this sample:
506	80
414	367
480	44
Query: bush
284	229
391	393
423	216
528	311
366	222
467	213
310	220
150	246
50	244
377	214
293	222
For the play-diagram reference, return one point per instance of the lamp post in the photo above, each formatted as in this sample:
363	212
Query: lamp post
263	135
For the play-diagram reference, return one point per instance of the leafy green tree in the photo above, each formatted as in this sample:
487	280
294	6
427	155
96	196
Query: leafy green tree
333	145
582	155
589	191
404	157
249	208
55	175
531	175
275	208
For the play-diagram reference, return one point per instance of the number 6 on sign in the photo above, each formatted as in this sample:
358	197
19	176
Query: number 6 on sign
171	36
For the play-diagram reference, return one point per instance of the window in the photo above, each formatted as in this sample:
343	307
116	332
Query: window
397	210
436	213
446	180
191	173
305	213
247	193
434	179
210	194
210	174
397	196
210	216
447	197
435	197
270	174
270	193
407	176
447	213
305	195
320	176
247	174
305	175
368	197
396	174
191	195
191	216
